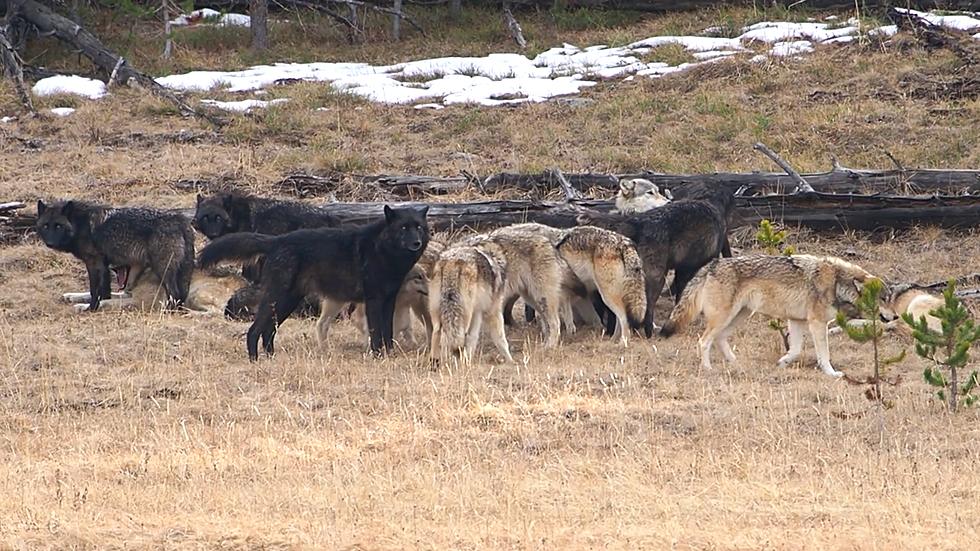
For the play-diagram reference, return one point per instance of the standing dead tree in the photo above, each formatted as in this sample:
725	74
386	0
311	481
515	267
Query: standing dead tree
120	72
258	12
13	69
514	28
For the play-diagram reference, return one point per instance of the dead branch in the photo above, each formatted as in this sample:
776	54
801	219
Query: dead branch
13	69
514	28
802	185
570	193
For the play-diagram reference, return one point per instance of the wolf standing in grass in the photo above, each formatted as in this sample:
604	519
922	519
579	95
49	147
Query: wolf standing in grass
360	264
805	290
127	240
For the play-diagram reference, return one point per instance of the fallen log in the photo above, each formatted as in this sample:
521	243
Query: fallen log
839	180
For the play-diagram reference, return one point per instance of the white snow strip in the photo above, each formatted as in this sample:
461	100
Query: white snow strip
957	22
62	111
783	49
7	119
433	106
712	54
691	43
69	84
244	105
774	31
207	16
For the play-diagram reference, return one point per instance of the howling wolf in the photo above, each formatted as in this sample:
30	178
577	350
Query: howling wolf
805	290
360	264
126	240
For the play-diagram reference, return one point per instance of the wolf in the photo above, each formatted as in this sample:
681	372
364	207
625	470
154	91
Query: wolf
640	195
232	212
126	240
413	298
474	277
602	266
682	235
803	289
209	293
359	264
905	299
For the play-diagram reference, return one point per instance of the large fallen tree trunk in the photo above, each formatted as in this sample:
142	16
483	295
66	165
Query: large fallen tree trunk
838	180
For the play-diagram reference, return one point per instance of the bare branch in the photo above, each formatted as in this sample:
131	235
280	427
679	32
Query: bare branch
801	184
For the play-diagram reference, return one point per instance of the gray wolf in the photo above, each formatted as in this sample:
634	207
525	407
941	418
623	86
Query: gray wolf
639	195
905	299
474	277
359	264
682	235
209	292
803	289
125	240
412	301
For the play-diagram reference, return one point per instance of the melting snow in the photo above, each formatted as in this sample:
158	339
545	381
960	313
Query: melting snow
207	16
62	111
70	84
244	105
797	47
958	22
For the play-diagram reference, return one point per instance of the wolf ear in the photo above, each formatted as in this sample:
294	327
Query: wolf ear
200	199
626	187
424	211
389	214
666	193
41	207
68	209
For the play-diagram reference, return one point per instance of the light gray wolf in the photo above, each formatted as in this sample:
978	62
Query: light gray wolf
355	264
803	289
639	195
682	235
125	240
905	299
209	292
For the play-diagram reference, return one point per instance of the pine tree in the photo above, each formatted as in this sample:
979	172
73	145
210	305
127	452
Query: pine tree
871	332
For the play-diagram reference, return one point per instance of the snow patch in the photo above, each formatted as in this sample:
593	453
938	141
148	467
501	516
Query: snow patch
797	47
62	111
244	105
207	16
776	31
957	22
7	119
69	84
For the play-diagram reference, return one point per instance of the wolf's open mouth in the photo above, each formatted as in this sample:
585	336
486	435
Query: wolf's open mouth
122	276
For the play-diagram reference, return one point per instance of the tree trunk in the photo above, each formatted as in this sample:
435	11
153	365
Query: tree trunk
258	12
168	44
455	8
13	70
396	20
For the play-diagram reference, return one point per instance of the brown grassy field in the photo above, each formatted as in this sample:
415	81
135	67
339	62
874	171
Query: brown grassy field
132	431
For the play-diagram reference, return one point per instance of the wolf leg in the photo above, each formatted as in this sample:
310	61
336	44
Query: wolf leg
474	326
551	321
818	330
497	334
374	308
722	341
797	330
282	308
329	308
654	285
509	310
99	283
568	316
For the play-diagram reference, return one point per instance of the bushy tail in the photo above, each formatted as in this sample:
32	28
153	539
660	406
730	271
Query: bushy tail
634	288
688	307
235	246
445	307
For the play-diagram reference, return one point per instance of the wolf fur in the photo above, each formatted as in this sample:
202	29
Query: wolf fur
413	298
467	288
639	195
681	235
803	289
209	291
360	264
127	240
905	299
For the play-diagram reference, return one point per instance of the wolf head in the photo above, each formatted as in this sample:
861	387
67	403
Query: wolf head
56	224
406	229
220	214
639	195
850	282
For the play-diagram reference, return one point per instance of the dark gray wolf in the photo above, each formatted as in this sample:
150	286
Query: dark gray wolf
360	264
803	289
126	240
682	235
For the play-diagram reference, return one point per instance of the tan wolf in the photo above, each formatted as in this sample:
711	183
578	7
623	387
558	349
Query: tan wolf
413	298
466	288
905	299
209	293
803	289
639	195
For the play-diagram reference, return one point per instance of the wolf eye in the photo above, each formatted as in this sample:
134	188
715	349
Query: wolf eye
46	225
57	226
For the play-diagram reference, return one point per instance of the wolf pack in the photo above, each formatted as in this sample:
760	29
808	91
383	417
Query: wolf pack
269	259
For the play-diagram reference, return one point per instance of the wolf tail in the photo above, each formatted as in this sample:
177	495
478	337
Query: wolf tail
451	314
634	288
688	307
236	246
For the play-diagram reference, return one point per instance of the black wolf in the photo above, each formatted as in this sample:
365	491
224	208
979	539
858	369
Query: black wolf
360	264
127	240
683	235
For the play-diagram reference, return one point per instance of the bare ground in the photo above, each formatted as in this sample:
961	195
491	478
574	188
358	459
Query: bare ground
153	431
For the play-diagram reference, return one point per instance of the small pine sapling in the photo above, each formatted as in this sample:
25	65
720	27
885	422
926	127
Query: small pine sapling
871	332
774	242
949	350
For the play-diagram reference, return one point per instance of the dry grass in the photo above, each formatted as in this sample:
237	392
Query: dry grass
143	431
153	431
